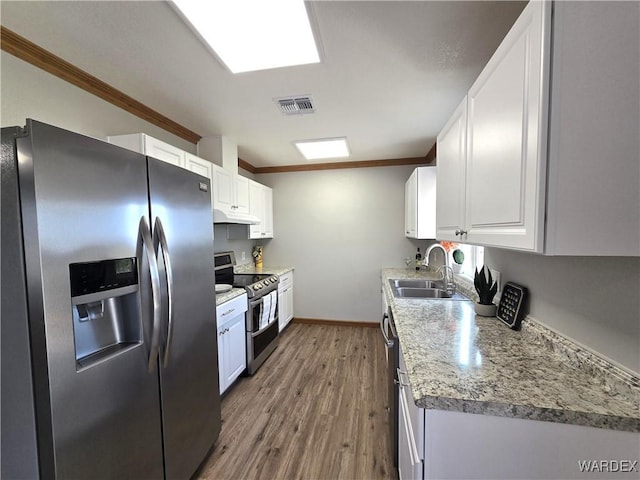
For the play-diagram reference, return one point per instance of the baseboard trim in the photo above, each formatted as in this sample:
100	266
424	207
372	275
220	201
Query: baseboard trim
339	323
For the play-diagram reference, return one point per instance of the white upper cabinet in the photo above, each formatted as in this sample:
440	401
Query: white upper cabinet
143	143
562	146
491	154
451	172
506	139
420	203
593	199
231	191
261	206
199	165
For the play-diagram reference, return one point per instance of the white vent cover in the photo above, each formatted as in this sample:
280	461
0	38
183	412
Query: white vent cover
295	105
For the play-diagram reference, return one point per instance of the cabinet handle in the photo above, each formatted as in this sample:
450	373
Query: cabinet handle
399	381
460	232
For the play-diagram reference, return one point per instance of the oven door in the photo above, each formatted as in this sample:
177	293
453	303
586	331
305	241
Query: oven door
262	331
262	313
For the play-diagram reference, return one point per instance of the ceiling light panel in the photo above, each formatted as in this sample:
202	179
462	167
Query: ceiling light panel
323	148
250	35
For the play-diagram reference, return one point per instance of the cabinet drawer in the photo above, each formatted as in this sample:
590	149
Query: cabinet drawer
286	280
229	310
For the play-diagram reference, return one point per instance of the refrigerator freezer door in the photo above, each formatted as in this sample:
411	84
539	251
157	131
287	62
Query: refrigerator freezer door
181	210
82	200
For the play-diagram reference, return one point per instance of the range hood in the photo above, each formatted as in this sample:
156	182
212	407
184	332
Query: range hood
220	216
224	152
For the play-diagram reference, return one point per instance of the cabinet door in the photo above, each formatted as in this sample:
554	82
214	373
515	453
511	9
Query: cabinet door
256	208
222	188
235	351
163	151
268	212
410	430
222	371
282	308
426	202
410	202
451	175
506	138
241	194
199	165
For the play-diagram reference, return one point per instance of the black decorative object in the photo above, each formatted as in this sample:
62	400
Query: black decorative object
485	286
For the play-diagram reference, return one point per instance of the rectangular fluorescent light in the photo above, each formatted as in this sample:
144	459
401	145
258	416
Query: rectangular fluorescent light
324	148
250	35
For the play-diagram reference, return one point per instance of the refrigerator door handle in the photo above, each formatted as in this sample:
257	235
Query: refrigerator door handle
161	239
146	244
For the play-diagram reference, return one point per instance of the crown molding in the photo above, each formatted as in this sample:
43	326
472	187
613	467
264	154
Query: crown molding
23	49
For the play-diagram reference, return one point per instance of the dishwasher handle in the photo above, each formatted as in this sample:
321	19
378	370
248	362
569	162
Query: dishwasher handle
384	324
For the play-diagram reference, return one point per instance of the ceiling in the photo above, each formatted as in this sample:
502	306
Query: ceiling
391	72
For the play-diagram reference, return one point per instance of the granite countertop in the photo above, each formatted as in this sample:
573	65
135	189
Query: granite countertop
271	270
248	268
458	361
230	295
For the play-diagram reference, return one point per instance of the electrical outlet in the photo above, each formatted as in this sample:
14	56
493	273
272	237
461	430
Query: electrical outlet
243	256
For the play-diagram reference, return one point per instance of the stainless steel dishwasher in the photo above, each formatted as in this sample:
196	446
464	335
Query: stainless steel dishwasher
390	335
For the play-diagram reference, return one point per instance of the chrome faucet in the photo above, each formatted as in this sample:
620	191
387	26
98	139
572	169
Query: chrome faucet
446	270
425	262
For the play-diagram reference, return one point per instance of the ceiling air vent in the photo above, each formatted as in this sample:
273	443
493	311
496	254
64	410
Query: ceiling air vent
295	105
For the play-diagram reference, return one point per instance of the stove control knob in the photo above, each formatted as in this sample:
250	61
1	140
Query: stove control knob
256	287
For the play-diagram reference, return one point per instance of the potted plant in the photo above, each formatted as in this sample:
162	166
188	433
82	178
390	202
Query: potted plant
487	289
458	258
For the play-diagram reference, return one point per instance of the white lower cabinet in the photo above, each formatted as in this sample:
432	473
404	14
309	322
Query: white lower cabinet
410	430
471	446
285	300
232	347
436	444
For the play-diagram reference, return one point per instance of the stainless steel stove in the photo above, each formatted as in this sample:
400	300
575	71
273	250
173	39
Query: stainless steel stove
261	319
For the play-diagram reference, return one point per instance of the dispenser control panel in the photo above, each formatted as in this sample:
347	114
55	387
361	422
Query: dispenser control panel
95	277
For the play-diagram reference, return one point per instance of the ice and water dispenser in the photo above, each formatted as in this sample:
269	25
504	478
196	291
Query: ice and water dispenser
106	318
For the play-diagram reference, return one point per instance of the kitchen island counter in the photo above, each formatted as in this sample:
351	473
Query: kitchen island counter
457	361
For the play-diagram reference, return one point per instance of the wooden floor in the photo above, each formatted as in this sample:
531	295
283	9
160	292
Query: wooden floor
316	409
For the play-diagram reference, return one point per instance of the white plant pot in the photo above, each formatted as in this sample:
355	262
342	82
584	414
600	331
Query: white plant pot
485	310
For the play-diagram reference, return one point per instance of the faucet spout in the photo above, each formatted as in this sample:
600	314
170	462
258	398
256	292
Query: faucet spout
425	262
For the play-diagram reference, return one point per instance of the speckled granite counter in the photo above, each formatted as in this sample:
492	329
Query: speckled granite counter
226	296
250	268
458	361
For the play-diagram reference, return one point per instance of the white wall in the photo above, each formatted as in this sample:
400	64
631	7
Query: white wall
594	300
338	228
28	92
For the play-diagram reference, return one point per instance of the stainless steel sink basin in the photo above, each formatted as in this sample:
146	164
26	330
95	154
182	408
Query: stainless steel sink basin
415	283
428	289
421	292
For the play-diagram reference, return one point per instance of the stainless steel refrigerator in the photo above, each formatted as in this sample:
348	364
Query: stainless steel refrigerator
109	346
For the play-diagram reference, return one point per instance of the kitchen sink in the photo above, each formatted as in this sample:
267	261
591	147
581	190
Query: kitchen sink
415	283
421	292
428	289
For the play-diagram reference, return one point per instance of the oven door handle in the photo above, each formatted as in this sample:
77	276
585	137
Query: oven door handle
262	330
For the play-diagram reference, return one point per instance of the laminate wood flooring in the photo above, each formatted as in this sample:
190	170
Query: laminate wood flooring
316	409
